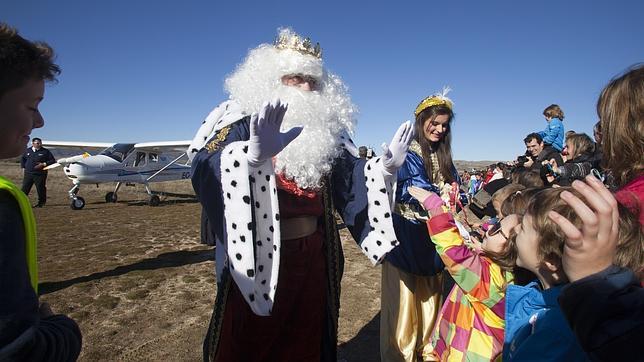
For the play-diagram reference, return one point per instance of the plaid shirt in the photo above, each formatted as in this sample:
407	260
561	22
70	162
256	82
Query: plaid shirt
471	322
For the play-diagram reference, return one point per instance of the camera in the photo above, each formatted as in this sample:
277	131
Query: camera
521	160
549	169
477	235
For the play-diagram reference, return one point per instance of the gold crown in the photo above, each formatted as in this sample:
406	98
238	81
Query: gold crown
293	41
438	99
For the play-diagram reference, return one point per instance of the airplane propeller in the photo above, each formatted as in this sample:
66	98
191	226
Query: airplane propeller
67	161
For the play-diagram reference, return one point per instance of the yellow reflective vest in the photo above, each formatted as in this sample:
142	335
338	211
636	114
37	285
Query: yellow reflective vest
29	223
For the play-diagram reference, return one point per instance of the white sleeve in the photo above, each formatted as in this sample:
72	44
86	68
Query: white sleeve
251	213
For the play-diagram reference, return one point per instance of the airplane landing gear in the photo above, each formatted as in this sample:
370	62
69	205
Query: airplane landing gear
77	203
154	200
110	197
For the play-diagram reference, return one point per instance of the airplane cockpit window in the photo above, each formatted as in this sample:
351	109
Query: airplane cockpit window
119	151
140	159
153	157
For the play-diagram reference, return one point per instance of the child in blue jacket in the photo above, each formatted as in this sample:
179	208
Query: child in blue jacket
553	135
535	327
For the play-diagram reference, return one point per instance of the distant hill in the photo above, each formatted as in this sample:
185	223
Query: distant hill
462	165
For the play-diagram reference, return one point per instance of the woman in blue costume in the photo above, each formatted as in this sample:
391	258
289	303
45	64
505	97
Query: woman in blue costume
411	272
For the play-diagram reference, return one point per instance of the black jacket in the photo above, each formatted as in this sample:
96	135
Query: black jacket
575	169
24	335
606	312
31	158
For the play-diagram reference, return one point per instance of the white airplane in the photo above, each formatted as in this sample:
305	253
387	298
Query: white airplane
122	162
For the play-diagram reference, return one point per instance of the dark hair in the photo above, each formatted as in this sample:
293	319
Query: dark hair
533	136
529	179
22	60
36	139
442	148
597	127
553	111
517	202
581	143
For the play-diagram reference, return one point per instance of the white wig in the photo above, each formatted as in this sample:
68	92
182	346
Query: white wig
326	113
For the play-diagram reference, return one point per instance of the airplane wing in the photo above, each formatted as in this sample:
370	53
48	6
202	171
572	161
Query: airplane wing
163	146
76	145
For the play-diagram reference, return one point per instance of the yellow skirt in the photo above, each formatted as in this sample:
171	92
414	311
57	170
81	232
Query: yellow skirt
409	307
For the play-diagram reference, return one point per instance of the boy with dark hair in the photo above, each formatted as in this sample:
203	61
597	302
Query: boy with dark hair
29	331
537	152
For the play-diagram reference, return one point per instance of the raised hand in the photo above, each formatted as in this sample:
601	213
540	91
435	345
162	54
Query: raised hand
590	249
266	140
428	199
393	155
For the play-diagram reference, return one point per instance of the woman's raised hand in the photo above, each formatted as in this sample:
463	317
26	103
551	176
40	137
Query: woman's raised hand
394	154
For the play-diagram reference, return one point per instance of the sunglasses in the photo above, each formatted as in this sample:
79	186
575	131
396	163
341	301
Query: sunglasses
496	229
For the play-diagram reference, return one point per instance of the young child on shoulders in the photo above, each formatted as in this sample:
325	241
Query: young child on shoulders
553	135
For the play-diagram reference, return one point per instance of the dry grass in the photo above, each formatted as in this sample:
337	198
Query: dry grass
141	286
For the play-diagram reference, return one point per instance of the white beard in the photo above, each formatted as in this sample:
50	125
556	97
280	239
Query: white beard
326	114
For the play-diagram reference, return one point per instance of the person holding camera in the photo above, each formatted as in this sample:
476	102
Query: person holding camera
536	153
579	164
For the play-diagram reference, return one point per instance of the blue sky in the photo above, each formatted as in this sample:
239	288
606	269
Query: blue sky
148	70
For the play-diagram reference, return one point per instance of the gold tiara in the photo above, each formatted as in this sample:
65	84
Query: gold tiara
286	40
438	99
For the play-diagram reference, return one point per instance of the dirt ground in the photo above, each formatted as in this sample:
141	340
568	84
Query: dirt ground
140	284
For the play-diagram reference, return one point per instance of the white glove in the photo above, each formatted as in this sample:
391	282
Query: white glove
394	154
266	140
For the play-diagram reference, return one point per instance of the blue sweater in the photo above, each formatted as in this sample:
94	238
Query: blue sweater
535	328
554	134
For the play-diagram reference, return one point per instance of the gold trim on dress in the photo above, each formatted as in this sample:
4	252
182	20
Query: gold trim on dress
220	136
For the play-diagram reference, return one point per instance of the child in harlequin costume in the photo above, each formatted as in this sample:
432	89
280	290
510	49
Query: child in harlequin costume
471	322
411	273
270	177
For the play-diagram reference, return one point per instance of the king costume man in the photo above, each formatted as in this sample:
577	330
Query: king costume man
270	198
